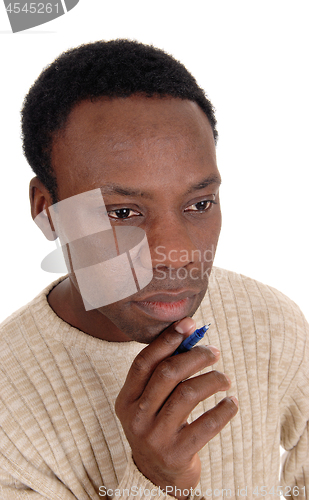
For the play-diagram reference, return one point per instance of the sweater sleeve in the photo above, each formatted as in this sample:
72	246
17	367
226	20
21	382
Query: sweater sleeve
295	429
135	485
132	486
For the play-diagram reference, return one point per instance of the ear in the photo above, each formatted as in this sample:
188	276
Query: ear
40	201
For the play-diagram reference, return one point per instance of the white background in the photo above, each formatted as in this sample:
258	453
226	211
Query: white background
252	60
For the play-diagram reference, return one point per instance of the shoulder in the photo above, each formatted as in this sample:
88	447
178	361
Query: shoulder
29	315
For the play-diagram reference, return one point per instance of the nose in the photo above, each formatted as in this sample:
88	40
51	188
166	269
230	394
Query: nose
170	243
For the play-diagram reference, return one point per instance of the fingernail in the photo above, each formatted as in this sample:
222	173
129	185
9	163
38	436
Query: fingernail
185	325
234	400
214	350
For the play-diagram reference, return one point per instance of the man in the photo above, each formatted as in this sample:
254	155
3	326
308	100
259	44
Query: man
120	132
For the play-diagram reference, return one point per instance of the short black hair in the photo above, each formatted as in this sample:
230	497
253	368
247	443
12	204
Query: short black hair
117	68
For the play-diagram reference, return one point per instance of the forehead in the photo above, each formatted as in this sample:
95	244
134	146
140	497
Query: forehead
137	137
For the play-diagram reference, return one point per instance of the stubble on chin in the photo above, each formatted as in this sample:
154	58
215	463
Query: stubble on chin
137	327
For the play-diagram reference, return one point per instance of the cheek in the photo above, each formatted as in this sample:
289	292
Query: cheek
217	227
206	238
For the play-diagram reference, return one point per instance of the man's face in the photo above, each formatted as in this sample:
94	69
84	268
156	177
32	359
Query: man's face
154	160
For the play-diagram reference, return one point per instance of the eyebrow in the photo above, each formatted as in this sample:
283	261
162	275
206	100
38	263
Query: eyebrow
123	191
112	188
212	179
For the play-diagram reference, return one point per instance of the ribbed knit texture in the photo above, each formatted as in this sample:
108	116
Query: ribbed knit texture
61	440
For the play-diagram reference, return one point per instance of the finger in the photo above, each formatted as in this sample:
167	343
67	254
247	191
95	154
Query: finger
147	360
173	370
194	436
187	395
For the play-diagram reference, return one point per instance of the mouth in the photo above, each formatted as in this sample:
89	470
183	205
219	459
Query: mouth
167	306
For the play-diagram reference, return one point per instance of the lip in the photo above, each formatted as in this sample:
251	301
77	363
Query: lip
167	306
168	296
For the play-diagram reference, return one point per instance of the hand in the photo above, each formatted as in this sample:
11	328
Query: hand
156	400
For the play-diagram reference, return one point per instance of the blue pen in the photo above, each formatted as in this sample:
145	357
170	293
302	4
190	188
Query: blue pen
193	339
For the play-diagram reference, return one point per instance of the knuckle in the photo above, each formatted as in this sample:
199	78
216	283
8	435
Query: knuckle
166	369
212	425
140	364
143	404
186	392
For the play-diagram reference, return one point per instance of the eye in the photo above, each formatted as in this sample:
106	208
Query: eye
201	206
122	213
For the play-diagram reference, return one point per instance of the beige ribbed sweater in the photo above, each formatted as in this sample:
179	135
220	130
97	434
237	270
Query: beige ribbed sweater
60	438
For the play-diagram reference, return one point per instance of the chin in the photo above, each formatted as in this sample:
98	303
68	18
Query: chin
138	325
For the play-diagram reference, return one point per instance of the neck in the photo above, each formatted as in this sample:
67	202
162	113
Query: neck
67	303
